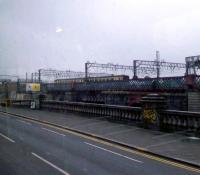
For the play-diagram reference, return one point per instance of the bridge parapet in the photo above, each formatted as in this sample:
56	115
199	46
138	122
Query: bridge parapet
172	119
21	103
110	111
168	119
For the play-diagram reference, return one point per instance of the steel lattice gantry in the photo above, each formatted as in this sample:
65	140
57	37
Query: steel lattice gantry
139	66
155	66
109	67
192	64
52	73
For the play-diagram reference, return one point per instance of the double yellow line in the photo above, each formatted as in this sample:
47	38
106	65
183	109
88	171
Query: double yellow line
115	145
179	165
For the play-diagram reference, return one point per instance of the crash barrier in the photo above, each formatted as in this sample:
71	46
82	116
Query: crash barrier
166	119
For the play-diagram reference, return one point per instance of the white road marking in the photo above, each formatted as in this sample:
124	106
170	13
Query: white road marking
163	143
122	131
51	164
85	121
116	126
169	134
22	121
53	132
93	123
194	138
162	135
135	160
7	138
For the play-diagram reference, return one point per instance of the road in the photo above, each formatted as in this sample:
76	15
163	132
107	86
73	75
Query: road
30	148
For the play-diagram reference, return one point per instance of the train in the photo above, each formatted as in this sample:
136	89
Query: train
93	79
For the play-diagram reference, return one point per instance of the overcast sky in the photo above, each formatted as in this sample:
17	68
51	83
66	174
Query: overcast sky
64	34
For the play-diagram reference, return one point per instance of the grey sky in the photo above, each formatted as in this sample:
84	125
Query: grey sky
64	34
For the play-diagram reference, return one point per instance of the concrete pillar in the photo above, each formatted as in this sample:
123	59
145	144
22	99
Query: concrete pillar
152	104
194	101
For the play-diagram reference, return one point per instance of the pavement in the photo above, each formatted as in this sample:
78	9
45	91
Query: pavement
28	148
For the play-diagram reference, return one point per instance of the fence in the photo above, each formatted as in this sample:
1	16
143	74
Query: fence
167	83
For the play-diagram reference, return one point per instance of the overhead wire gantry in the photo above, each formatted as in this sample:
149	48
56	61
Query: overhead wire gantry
61	74
139	66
